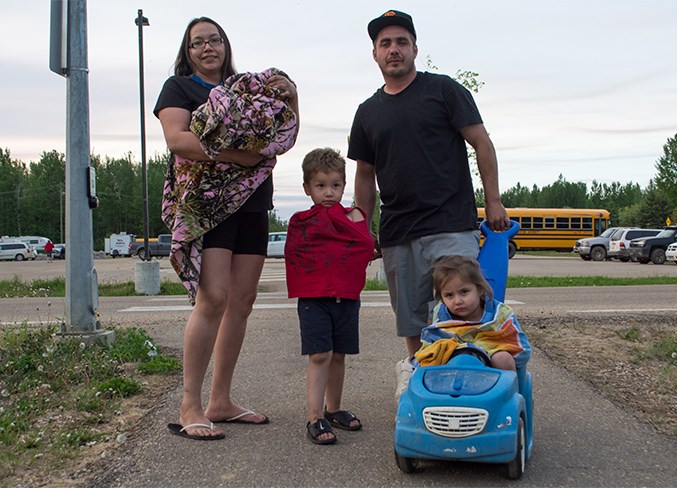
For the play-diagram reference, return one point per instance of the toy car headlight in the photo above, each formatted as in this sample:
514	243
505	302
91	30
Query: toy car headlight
457	382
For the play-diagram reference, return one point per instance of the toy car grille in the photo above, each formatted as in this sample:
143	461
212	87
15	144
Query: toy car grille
455	421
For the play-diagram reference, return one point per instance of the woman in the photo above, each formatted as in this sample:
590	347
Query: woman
233	251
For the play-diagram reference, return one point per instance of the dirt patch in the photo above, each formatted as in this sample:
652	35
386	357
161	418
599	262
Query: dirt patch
630	360
125	423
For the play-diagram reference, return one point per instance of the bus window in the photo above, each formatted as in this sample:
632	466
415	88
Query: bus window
550	222
562	222
575	223
538	223
587	223
526	223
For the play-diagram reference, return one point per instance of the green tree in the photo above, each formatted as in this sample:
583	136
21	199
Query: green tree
614	197
12	176
156	170
517	196
654	208
666	177
563	194
119	191
275	223
41	198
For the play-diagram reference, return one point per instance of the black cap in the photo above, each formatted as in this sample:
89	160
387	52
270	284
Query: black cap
391	17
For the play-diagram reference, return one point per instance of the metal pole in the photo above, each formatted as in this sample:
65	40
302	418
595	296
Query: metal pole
61	195
81	282
140	22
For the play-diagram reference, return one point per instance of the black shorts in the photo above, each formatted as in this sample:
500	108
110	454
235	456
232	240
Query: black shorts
242	233
328	324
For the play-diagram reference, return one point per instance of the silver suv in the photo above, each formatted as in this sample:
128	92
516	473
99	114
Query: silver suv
619	242
595	248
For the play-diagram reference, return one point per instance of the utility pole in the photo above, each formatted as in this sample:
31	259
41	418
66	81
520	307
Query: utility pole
140	22
68	57
147	272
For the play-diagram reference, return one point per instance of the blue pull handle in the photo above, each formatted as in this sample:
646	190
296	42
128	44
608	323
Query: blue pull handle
493	257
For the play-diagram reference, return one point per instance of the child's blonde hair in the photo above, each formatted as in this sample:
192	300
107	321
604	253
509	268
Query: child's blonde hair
324	160
467	269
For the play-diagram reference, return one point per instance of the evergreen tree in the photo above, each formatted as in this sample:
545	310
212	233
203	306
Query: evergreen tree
666	178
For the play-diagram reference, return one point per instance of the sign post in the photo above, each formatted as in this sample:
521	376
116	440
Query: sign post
69	29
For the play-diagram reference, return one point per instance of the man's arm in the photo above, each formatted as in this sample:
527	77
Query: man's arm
365	188
496	215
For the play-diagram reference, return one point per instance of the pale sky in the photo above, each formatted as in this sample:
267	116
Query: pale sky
582	88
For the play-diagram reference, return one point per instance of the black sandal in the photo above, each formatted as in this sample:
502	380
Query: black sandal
317	428
342	419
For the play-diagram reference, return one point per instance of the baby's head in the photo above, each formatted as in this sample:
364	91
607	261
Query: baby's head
324	176
466	269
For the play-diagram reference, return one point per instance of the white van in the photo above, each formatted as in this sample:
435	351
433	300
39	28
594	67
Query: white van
37	243
16	251
119	244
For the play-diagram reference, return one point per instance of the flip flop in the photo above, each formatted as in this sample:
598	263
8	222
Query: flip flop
342	419
317	428
238	419
178	429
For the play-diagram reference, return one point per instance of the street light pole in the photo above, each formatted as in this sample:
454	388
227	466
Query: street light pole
147	274
141	21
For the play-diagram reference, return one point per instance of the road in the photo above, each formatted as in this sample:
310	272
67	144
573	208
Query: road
581	439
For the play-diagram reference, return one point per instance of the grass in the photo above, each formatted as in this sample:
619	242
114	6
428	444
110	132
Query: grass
56	287
57	394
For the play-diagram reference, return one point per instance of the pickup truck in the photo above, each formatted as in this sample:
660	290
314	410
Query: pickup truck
158	248
595	248
645	249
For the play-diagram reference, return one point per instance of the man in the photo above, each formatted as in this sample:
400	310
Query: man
411	136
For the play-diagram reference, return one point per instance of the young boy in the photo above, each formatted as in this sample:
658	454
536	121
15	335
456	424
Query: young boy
327	251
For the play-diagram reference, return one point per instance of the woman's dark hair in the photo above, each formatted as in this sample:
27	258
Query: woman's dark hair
183	65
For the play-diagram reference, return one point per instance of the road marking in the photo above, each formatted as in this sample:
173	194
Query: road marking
629	310
258	306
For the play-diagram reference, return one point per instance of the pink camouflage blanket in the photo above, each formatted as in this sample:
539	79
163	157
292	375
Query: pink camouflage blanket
241	114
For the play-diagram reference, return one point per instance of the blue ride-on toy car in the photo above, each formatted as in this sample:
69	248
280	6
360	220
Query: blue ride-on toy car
466	410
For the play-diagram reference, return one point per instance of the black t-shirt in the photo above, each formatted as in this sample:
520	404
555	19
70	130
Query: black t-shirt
413	140
186	93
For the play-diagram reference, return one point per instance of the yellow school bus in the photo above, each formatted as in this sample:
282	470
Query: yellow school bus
553	229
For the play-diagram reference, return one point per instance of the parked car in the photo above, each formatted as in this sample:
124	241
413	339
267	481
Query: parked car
671	253
16	251
158	248
653	249
276	242
59	251
620	241
594	248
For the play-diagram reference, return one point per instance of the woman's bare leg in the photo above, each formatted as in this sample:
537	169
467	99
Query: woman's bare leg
200	336
244	279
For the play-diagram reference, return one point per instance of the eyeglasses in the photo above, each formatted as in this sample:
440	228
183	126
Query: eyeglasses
200	44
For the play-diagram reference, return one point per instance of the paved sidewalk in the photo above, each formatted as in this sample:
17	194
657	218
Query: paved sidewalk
581	439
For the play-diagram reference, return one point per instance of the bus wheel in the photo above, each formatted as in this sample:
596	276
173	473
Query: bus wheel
512	249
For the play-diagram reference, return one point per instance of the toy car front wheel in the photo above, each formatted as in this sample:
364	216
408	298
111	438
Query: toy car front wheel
406	464
515	468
